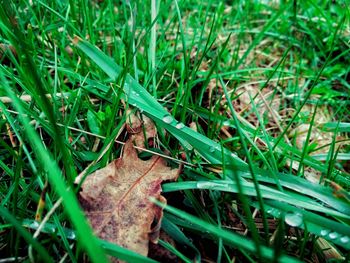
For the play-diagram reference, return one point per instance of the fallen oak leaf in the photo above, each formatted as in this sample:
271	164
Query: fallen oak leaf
116	199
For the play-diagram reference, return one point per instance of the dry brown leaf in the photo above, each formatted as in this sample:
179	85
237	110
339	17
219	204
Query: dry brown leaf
116	199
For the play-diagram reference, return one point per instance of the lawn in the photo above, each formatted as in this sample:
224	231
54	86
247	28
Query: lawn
243	107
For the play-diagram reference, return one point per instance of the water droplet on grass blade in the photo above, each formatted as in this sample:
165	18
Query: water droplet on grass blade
274	212
180	125
324	232
71	235
333	235
204	185
211	149
208	185
294	219
34	225
233	155
135	93
345	239
167	119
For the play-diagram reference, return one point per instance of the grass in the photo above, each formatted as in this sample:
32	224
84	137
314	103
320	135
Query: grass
254	99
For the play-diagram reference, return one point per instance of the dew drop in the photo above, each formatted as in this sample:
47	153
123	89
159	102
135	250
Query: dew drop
167	119
333	235
180	125
71	235
135	93
344	239
324	232
206	185
34	225
294	219
203	185
211	149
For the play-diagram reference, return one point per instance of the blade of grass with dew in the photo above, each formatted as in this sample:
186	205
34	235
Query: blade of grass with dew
227	236
335	232
304	187
248	189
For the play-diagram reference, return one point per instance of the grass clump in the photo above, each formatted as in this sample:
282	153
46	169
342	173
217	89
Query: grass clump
254	99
